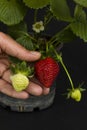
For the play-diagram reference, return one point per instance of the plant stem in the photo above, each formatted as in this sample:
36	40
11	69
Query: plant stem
72	85
63	65
48	17
56	37
32	38
35	15
46	22
46	48
28	35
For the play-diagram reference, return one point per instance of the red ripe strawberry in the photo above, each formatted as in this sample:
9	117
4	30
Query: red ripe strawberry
46	71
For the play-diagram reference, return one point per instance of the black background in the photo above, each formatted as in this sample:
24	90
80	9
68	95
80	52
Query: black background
63	114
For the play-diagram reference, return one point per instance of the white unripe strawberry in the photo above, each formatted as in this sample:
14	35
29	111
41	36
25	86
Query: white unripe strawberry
19	82
76	95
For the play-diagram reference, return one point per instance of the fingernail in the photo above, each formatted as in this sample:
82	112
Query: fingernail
35	53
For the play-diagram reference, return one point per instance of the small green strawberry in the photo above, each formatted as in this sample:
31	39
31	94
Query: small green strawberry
76	95
20	74
19	82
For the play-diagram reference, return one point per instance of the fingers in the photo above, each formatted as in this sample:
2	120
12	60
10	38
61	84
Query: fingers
6	76
4	65
7	89
4	61
37	90
11	47
34	89
3	68
46	91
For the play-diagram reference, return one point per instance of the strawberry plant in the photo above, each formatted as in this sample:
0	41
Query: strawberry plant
12	14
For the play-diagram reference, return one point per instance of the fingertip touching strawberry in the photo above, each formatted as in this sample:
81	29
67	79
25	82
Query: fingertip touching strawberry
46	70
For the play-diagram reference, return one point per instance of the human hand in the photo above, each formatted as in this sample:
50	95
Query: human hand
8	46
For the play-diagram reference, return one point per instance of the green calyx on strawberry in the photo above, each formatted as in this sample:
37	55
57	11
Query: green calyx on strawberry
46	70
22	68
21	75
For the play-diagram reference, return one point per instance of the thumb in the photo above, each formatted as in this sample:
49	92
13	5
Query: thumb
11	47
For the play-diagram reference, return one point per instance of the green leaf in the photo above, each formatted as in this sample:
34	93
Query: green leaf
12	11
22	26
80	26
61	10
14	60
81	2
36	4
26	42
79	13
20	34
65	36
18	30
80	29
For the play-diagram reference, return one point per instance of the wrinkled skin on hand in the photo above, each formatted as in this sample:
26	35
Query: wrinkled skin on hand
8	46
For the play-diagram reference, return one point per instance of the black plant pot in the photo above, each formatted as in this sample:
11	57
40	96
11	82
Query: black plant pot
30	104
